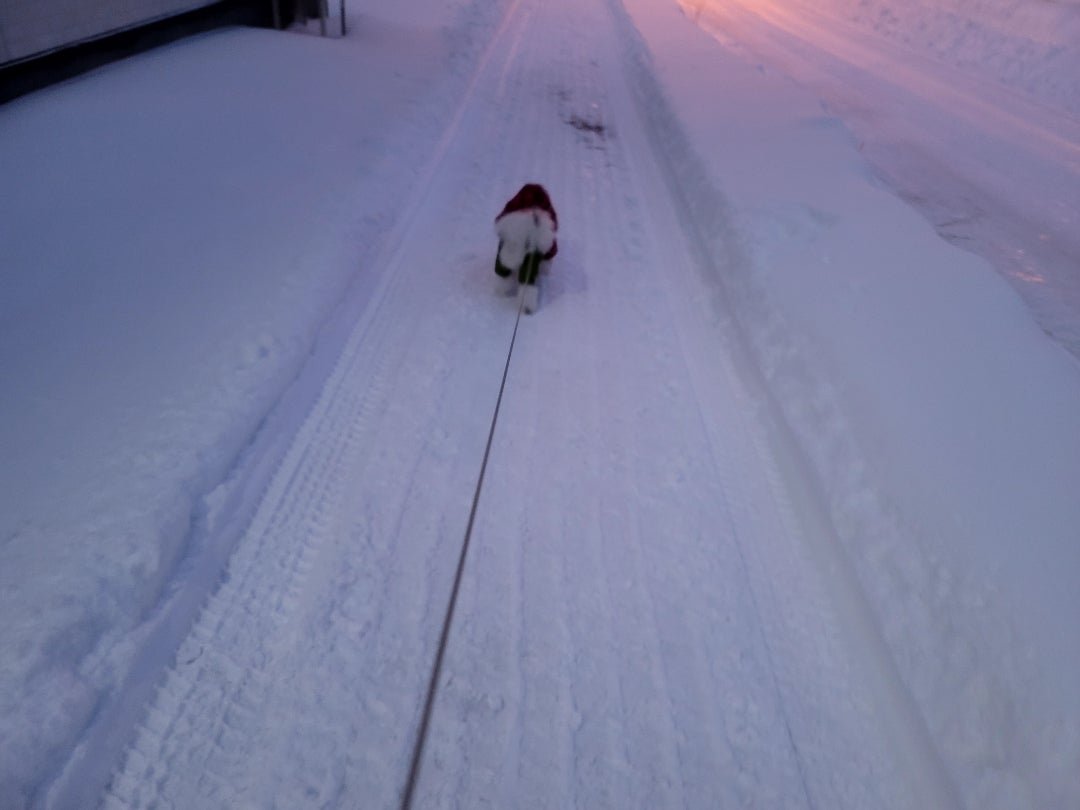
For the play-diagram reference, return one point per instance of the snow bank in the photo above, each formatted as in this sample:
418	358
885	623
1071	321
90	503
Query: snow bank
1029	46
944	425
1033	47
995	167
175	232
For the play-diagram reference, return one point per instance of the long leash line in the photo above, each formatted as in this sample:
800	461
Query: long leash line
436	670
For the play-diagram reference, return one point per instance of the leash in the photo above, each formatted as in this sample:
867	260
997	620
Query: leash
448	620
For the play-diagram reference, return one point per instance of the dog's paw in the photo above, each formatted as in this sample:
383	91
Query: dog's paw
530	298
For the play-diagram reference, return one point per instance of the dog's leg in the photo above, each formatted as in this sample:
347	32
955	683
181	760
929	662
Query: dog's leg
505	283
530	298
530	268
530	291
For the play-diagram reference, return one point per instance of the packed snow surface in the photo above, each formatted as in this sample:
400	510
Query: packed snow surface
781	504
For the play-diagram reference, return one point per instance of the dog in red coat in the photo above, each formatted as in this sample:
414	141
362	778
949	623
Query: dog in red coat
526	228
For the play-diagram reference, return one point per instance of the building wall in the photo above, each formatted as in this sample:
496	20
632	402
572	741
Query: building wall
30	27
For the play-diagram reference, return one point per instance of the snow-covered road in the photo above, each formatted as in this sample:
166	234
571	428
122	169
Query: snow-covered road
638	625
780	506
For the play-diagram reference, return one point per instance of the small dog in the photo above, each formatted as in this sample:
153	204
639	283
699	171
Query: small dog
526	229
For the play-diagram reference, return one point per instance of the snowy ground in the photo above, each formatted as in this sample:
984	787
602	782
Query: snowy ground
970	110
781	505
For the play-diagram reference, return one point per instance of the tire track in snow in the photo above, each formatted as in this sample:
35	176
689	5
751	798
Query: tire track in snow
245	625
630	620
530	104
664	470
510	158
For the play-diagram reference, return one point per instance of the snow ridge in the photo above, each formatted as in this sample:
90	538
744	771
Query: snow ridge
956	700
